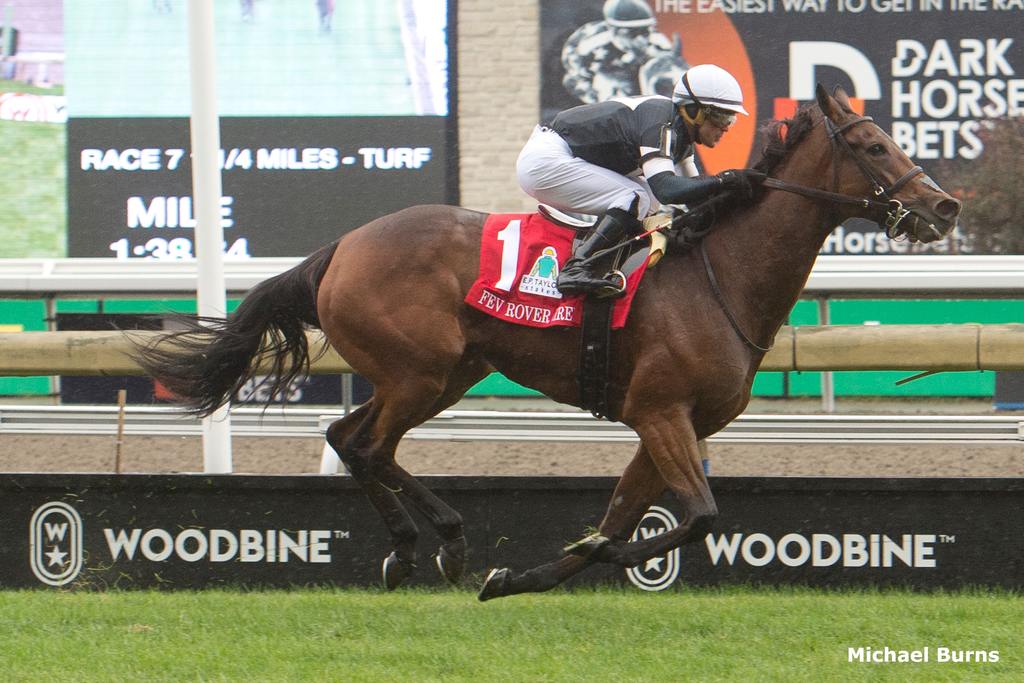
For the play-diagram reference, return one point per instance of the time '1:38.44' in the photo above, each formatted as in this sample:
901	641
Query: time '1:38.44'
173	249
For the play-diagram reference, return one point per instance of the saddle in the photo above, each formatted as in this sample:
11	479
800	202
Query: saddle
581	223
595	332
516	283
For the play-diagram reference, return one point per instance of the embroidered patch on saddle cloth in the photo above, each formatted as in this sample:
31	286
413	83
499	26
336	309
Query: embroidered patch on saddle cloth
521	255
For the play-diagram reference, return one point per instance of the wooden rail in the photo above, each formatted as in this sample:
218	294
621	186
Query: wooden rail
964	347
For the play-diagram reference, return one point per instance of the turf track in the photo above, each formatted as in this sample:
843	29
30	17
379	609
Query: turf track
32	212
735	634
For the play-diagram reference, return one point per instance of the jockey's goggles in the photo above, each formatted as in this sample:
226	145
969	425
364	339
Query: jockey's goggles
632	31
720	117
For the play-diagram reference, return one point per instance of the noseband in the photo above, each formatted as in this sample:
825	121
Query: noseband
890	208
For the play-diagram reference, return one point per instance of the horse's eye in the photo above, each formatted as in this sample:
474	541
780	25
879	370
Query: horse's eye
876	150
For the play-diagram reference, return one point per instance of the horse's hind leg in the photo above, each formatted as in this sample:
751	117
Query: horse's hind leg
398	408
349	438
639	486
451	556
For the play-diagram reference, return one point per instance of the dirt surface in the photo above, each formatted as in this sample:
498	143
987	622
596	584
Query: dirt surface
278	455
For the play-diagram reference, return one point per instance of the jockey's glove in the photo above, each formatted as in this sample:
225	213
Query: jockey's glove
742	183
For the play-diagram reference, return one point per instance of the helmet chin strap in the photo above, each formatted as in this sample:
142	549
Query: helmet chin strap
692	120
695	121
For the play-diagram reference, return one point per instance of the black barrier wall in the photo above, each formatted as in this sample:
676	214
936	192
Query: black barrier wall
197	531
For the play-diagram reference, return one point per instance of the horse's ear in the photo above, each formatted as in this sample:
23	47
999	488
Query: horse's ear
829	107
840	95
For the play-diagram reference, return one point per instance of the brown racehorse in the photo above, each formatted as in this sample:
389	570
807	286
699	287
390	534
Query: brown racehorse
389	298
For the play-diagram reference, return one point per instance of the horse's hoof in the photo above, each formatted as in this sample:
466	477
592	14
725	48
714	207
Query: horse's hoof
587	546
496	585
451	560
395	571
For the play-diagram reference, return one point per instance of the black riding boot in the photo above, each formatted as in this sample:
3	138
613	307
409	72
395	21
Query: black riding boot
577	276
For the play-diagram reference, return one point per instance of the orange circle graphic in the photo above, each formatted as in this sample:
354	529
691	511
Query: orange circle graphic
711	38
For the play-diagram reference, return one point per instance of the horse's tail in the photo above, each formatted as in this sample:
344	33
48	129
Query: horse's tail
208	360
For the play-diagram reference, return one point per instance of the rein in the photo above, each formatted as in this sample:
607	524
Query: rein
725	307
824	195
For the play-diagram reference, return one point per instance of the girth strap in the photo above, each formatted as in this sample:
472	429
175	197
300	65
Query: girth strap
595	355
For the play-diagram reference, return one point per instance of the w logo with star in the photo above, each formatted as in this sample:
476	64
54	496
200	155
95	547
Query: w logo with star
55	543
661	571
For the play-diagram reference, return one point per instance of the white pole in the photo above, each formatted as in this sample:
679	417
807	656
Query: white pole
206	190
828	388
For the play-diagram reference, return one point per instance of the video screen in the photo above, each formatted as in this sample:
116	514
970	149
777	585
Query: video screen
332	114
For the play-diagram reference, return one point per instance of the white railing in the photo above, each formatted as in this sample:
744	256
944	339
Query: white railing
486	425
491	425
884	276
107	276
894	276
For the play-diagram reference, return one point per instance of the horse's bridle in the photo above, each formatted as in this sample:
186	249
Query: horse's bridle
887	205
890	208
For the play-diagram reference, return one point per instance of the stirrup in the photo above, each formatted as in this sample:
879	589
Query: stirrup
612	285
612	290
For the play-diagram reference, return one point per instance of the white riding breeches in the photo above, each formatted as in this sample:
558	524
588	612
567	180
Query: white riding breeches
548	172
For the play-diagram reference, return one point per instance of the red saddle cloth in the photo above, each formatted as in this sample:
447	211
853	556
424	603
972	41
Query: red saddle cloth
521	255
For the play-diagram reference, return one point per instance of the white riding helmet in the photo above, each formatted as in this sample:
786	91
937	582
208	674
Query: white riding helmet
628	13
711	86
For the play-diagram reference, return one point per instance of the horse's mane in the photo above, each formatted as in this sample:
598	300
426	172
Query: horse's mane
782	135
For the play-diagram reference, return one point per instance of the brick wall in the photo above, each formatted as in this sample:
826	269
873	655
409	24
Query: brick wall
498	98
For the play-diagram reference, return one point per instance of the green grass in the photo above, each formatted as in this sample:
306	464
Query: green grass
33	221
18	86
736	634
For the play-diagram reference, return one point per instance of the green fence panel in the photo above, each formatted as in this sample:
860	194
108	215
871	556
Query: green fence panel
921	312
496	384
28	315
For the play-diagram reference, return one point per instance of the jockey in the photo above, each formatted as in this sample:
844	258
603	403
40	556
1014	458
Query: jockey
623	158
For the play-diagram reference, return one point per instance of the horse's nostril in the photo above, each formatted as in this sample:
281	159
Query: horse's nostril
948	208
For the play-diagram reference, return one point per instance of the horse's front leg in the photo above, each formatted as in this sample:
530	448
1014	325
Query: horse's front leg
638	487
676	453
